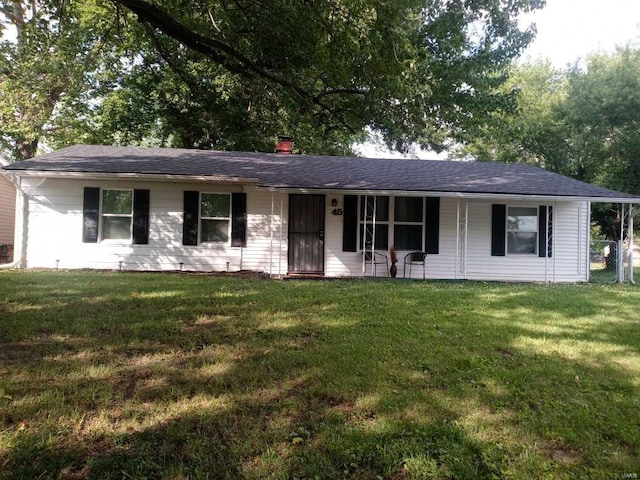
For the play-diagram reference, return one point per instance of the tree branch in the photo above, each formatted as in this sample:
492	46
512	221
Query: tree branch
220	52
340	91
232	59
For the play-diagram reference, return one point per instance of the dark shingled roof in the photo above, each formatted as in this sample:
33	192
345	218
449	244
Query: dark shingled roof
319	172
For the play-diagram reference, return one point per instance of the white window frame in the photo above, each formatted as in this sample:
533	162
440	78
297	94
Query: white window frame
392	230
508	230
392	222
201	218
361	222
121	215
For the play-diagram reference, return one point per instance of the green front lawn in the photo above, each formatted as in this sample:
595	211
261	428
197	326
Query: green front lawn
189	376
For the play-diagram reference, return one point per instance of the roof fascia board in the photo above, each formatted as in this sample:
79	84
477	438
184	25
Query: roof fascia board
221	180
133	176
463	195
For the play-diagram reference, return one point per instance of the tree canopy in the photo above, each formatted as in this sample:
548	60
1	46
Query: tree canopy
232	74
47	51
581	121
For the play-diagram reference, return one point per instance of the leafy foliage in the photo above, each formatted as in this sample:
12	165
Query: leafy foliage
579	122
48	54
529	131
232	74
603	111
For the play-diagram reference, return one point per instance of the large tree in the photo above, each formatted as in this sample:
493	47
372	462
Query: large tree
530	129
48	53
233	73
414	70
603	111
583	122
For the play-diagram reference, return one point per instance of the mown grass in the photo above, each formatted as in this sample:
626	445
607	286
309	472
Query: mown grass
184	376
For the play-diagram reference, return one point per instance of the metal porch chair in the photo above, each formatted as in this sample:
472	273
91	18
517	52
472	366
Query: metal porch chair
414	258
378	259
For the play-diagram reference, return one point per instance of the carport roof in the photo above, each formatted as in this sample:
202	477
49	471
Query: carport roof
317	172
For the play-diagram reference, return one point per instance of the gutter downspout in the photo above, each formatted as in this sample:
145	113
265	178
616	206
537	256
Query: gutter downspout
20	234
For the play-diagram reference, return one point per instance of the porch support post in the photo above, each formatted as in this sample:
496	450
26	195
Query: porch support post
271	240
462	215
457	265
373	236
546	236
554	250
280	242
630	236
620	247
363	208
588	243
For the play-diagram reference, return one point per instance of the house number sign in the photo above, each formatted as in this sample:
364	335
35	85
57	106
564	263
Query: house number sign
337	212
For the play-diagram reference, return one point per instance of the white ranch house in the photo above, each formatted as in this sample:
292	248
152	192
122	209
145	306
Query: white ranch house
134	208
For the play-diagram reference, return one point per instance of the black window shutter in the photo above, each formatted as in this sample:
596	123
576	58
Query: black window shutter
545	231
432	226
498	230
350	224
238	219
190	223
141	217
90	214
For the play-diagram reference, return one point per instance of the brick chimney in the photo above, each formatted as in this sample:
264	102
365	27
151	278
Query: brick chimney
284	145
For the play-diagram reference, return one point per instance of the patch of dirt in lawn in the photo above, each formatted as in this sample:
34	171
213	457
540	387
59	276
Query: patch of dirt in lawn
563	455
400	474
73	472
37	348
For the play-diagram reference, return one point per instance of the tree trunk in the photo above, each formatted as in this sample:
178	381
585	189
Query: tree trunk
26	149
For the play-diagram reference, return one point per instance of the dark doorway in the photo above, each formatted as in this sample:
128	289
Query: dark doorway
306	234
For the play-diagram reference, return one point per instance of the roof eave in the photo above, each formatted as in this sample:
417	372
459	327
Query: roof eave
463	195
152	177
226	180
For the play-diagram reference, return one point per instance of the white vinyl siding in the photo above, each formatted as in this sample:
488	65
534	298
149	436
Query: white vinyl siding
7	210
566	265
55	233
567	260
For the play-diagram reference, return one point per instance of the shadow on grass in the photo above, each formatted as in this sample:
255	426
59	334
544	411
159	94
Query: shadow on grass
112	376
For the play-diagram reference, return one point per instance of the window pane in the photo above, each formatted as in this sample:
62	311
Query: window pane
117	202
408	237
215	231
381	208
215	205
116	228
522	219
408	209
518	242
382	236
